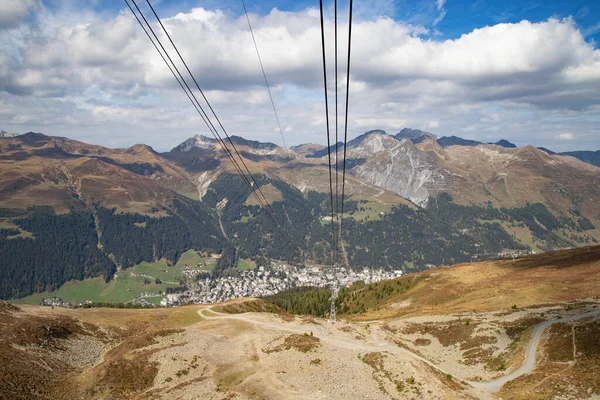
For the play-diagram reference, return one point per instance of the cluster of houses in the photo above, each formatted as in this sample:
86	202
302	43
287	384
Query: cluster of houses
515	253
267	281
54	302
143	302
262	281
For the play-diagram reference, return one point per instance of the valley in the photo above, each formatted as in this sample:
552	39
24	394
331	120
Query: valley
160	284
469	270
135	205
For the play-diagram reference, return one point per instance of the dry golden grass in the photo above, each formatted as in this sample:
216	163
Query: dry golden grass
30	348
158	318
560	373
42	336
548	278
303	343
126	369
248	305
272	194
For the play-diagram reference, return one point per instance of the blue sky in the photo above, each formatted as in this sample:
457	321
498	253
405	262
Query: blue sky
527	71
462	16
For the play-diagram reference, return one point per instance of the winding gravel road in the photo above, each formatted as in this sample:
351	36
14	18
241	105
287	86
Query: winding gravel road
529	364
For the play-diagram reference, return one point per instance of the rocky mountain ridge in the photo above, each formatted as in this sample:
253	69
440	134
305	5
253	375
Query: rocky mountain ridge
472	172
407	205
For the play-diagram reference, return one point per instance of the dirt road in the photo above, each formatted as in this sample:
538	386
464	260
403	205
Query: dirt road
529	364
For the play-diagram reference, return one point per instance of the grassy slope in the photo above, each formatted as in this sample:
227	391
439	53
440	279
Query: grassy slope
121	290
125	287
542	279
245	265
157	318
371	211
272	194
520	231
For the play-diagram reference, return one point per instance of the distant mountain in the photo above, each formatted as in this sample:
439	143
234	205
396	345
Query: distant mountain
587	156
505	143
253	144
396	165
590	157
325	151
447	141
414	135
4	134
547	150
307	149
340	145
198	141
367	136
407	204
68	174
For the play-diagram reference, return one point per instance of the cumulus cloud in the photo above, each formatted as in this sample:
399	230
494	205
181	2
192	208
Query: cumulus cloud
565	136
481	83
14	12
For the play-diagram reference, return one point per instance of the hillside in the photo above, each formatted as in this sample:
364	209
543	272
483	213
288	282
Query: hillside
448	333
413	205
548	278
36	169
590	157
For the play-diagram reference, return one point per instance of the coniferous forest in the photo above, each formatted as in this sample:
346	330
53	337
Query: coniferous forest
44	250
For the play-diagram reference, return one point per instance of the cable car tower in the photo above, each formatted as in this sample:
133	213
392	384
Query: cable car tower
334	292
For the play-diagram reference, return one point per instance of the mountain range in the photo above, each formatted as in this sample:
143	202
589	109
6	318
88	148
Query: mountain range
412	200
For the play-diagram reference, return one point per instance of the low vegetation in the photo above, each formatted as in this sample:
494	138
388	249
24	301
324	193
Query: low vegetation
381	375
303	300
464	287
303	343
515	329
244	306
571	357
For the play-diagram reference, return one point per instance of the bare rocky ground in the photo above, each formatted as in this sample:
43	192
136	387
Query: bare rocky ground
479	346
204	353
224	357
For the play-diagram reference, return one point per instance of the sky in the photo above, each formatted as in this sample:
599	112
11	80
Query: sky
527	71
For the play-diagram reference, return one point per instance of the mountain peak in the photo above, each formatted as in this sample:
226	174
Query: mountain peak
446	141
547	150
34	135
140	148
356	142
199	141
414	135
254	144
505	143
365	136
370	143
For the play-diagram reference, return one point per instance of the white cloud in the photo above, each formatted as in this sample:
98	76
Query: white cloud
564	136
14	12
591	30
100	73
439	4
